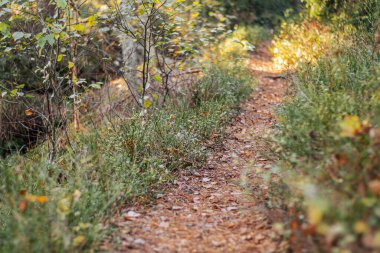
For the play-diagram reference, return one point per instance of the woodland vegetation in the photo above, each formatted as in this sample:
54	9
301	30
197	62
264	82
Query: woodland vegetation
101	101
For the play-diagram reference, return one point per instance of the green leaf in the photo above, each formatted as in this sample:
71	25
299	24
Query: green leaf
41	41
157	78
50	39
4	28
97	85
13	92
59	58
17	35
61	4
141	10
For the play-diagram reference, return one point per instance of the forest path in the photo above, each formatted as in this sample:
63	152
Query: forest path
207	210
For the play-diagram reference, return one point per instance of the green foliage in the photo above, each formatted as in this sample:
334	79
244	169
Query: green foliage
305	41
354	11
62	206
254	34
318	8
306	37
268	12
328	138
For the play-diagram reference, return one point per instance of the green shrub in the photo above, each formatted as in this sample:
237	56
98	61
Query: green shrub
328	138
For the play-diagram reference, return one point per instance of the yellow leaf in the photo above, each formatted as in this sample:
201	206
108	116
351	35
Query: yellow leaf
147	103
79	240
361	227
91	21
376	239
42	199
315	215
29	112
350	126
71	64
75	80
63	206
83	226
77	195
141	10
78	27
38	199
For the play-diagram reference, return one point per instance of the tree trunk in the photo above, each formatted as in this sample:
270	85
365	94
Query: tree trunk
74	71
129	47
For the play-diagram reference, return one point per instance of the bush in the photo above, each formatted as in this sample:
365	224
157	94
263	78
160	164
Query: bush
328	138
306	41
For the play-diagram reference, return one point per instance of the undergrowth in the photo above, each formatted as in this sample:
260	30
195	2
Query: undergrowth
304	41
63	206
328	140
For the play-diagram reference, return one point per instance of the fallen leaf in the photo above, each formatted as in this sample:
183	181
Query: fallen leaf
23	192
259	238
63	206
76	195
139	241
361	227
206	179
164	224
79	240
217	243
374	186
350	126
38	199
22	206
176	208
28	112
133	214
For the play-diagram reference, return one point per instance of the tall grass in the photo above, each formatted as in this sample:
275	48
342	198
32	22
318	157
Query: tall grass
63	206
328	144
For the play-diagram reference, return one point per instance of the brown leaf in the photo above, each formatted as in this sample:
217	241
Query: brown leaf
374	187
22	206
341	159
176	208
23	192
29	112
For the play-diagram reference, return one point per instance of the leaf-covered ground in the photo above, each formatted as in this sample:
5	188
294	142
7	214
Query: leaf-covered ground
210	210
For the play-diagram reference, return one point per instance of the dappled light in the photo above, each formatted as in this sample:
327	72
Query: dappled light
189	126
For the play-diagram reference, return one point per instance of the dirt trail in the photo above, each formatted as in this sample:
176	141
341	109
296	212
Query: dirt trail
207	210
